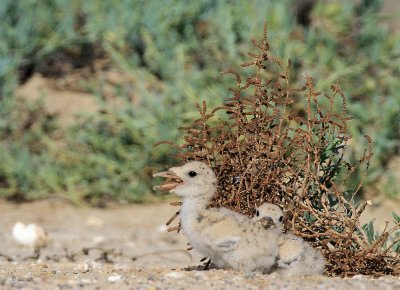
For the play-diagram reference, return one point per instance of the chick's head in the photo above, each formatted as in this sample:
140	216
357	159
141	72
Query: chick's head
269	215
194	179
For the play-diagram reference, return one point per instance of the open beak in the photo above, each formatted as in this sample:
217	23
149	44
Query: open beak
171	183
267	222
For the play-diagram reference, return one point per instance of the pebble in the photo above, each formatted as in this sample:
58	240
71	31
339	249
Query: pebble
114	278
87	266
98	239
176	275
121	267
86	281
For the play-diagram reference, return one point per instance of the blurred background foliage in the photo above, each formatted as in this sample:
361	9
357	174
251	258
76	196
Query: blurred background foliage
146	63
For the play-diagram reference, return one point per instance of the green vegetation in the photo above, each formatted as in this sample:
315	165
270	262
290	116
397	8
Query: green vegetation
174	55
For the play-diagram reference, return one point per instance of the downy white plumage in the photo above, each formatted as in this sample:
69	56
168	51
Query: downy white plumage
296	256
230	239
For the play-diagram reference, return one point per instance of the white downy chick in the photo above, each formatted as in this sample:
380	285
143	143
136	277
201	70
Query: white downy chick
230	239
296	256
30	235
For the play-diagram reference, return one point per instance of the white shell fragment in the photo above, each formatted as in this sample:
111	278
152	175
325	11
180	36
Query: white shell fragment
30	235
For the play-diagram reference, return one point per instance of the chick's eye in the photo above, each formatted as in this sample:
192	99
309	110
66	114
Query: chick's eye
281	218
192	173
257	213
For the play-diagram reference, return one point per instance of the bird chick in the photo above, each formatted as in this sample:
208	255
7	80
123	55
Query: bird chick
296	256
230	239
30	235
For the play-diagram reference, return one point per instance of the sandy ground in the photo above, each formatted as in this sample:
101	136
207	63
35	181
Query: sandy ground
140	253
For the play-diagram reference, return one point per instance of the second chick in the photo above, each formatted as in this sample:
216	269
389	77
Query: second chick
296	256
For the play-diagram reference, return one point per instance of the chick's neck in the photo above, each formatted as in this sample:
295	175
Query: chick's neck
192	208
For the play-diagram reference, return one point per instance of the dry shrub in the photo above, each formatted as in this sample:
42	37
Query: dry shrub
265	150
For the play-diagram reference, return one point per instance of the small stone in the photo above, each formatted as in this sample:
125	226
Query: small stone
114	278
98	239
121	267
86	281
87	266
176	275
